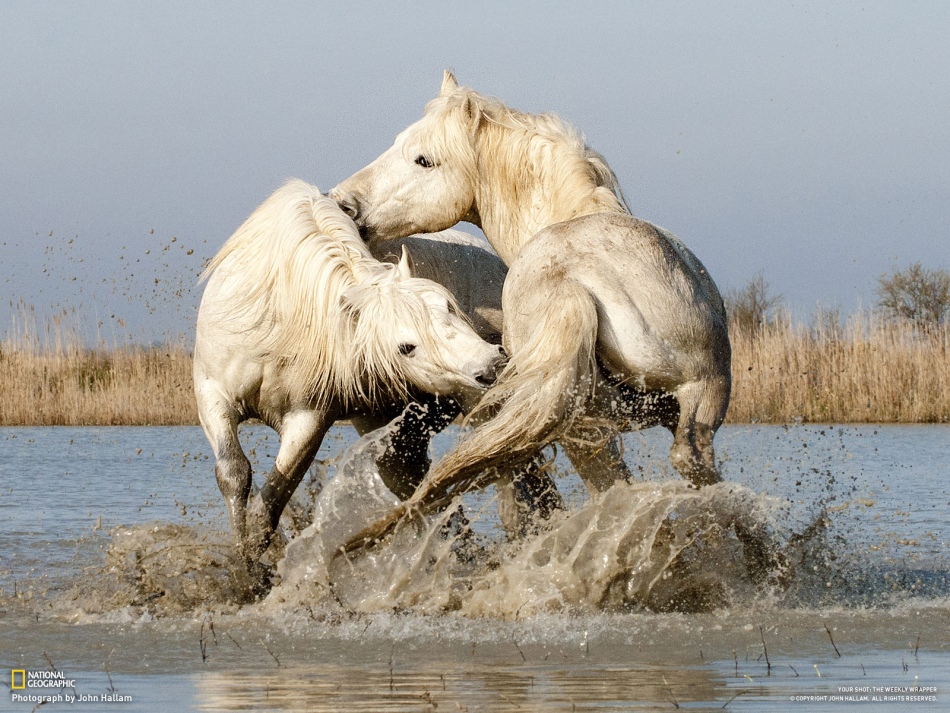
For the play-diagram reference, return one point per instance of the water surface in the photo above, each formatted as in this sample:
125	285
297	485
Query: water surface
873	614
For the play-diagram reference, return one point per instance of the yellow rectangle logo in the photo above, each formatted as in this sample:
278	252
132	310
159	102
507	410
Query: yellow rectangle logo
13	675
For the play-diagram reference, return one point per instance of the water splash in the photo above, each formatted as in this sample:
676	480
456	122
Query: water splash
157	569
655	546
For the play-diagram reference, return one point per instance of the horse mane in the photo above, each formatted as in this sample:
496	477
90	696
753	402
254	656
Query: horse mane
545	147
316	299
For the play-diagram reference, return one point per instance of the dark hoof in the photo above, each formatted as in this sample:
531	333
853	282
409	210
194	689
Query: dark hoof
254	580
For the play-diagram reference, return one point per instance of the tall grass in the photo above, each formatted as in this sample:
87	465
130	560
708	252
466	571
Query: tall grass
867	369
48	377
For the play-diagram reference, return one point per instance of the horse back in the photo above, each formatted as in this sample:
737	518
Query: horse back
466	266
659	312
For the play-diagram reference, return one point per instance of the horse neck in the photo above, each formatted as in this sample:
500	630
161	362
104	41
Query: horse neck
366	268
516	195
358	262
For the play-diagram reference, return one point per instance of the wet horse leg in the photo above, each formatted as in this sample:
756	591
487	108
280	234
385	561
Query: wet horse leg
595	451
301	433
702	409
599	465
232	468
524	495
406	462
527	496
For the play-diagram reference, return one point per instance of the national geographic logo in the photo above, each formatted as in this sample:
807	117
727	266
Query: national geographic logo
42	687
21	679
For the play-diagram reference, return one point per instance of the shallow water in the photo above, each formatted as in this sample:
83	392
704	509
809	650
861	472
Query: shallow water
89	586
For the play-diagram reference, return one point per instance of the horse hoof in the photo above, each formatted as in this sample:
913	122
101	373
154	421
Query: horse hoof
259	581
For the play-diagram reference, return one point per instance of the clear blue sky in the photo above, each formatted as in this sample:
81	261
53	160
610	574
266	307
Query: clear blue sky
809	140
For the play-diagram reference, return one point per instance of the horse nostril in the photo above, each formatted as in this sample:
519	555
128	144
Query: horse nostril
486	378
501	361
348	203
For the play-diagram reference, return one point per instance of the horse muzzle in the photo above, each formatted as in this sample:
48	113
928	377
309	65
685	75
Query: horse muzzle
489	375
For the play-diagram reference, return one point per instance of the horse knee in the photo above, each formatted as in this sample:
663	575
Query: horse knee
234	478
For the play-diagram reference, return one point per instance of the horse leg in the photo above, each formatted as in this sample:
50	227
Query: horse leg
702	407
598	465
406	462
301	433
527	496
596	452
232	468
523	495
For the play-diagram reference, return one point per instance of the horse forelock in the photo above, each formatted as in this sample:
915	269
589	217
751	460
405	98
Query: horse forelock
378	308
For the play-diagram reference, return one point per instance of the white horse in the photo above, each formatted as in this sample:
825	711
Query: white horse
608	319
299	326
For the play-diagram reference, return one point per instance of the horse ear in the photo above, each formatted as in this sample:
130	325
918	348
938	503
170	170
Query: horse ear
348	306
472	113
405	264
449	83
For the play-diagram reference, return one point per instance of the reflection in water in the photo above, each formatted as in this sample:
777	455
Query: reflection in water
472	686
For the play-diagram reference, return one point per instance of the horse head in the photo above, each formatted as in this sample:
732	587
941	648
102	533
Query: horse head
409	330
425	182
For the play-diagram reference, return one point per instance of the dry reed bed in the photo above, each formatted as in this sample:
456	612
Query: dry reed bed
869	370
49	378
121	387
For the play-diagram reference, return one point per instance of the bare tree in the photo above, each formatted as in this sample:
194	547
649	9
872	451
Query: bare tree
917	294
752	307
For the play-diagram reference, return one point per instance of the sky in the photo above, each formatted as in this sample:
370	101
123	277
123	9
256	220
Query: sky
808	142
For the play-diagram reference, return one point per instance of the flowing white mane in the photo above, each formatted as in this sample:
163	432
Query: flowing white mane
535	148
318	300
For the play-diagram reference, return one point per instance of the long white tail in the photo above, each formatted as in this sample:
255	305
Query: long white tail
545	386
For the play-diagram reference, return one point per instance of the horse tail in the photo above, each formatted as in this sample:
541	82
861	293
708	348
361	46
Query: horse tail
545	386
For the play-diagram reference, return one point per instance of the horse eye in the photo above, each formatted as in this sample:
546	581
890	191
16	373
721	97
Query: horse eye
407	349
423	161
